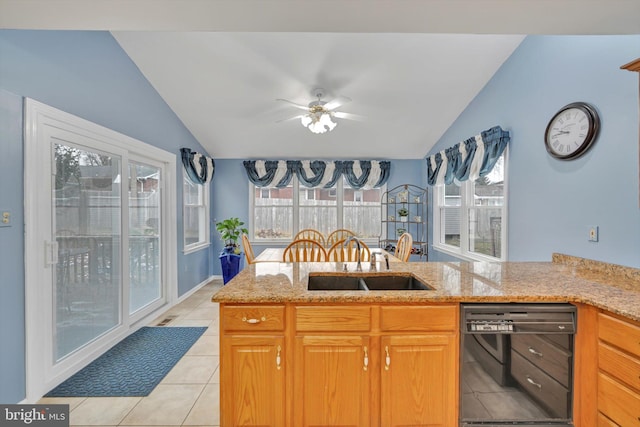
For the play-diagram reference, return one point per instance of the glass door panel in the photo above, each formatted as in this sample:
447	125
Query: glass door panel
144	236
86	227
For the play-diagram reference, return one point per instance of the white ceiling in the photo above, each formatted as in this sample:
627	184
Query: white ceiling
410	66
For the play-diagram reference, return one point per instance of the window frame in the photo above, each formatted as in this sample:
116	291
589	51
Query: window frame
467	203
205	211
337	191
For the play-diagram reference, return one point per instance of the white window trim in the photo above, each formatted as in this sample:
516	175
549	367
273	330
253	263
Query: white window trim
463	252
296	205
194	247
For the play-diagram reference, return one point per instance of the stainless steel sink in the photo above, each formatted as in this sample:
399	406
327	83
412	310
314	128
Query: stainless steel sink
396	283
336	283
383	282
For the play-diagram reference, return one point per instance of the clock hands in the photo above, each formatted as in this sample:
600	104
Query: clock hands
560	132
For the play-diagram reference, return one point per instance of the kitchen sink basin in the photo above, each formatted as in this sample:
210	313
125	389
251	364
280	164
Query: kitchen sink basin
336	283
396	283
384	282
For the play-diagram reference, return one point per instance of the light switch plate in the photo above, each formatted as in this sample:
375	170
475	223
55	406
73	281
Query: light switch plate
593	233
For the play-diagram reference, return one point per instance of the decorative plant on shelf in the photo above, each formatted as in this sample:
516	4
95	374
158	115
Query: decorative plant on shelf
230	231
403	213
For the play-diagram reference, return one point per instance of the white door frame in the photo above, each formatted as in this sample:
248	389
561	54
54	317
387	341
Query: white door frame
40	122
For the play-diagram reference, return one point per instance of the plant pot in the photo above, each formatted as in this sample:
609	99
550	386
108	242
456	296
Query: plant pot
231	264
403	218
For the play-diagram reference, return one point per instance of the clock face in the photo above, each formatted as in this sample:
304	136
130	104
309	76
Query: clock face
571	131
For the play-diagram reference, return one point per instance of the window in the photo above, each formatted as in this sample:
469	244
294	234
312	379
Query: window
195	214
287	210
470	216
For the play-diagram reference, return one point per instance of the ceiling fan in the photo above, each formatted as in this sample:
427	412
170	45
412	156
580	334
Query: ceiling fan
319	114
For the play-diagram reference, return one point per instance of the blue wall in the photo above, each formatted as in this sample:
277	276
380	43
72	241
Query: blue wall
86	74
552	202
230	193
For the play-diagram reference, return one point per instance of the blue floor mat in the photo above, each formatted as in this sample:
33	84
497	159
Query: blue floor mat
134	366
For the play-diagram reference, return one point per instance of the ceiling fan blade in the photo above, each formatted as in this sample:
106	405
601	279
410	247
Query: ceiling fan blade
336	102
291	118
300	106
348	116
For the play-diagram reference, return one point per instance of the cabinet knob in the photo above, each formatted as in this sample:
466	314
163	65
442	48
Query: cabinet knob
278	359
387	359
366	359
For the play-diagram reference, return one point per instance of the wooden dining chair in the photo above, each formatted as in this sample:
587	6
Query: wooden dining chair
310	234
341	253
339	234
403	247
304	250
248	249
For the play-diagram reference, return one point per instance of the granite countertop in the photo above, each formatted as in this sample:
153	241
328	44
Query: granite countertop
565	279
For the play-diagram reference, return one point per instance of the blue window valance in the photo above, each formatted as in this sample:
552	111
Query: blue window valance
199	168
317	173
469	159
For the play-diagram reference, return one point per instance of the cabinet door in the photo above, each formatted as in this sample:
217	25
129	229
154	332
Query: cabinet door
332	381
418	380
252	381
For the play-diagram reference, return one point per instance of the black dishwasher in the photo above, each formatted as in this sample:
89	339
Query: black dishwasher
516	364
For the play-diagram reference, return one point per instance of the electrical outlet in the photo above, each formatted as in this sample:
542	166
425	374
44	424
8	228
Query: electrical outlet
593	233
5	218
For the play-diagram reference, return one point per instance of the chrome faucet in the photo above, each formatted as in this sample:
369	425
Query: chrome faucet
358	255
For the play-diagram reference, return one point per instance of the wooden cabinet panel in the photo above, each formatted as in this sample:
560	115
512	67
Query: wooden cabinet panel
619	333
605	422
333	318
253	318
332	381
252	381
619	365
419	318
418	380
617	402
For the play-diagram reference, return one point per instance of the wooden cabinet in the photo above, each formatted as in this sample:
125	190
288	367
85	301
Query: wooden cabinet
618	382
339	365
252	366
375	365
332	381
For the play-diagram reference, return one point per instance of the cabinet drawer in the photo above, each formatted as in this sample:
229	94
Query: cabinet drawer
618	402
553	360
619	365
619	333
333	318
252	318
419	318
547	391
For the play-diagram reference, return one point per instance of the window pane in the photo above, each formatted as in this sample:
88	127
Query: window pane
361	211
318	209
485	226
195	214
273	213
144	236
450	216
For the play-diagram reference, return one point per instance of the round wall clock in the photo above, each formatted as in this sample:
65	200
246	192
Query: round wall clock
572	131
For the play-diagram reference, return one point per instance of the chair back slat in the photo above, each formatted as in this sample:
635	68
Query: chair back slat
339	234
248	249
403	247
304	250
341	253
310	234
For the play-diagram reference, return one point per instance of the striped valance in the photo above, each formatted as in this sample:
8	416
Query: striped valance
199	168
317	173
468	159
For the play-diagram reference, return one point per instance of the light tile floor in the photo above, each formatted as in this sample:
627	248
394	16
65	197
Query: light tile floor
187	396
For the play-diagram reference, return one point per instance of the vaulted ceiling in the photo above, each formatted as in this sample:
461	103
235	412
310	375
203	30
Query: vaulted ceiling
410	67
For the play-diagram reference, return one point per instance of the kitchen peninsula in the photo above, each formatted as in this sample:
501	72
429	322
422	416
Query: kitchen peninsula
386	358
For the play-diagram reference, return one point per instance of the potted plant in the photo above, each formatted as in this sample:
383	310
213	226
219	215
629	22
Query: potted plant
403	213
230	231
